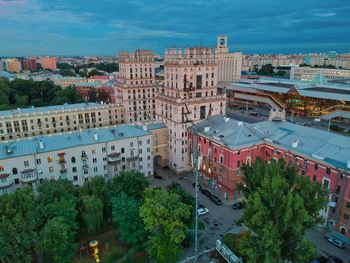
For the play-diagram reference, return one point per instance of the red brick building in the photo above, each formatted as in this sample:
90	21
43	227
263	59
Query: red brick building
225	145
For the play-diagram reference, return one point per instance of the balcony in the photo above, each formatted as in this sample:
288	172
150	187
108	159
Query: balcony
63	171
84	157
133	159
28	176
113	158
5	180
85	166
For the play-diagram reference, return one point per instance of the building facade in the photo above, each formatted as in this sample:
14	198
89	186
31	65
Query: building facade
307	73
136	85
224	145
30	122
13	65
316	98
48	63
189	94
29	64
75	156
229	64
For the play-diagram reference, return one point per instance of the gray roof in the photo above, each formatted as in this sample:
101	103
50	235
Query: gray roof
325	146
59	142
32	110
319	87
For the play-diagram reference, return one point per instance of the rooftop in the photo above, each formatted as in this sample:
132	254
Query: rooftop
325	146
58	142
64	107
319	87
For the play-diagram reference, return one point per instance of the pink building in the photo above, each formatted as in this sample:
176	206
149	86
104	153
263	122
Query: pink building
225	145
48	63
100	79
29	64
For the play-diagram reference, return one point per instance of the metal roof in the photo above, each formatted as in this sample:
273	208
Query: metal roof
63	141
314	143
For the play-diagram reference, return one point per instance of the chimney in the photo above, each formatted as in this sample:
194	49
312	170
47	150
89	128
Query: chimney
144	127
95	136
295	144
41	145
206	129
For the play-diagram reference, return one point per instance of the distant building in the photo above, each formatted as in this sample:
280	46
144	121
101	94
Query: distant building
67	81
229	64
13	65
136	85
189	95
307	73
48	63
85	89
225	145
32	121
29	64
76	156
100	79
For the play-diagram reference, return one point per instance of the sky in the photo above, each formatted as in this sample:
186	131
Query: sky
105	27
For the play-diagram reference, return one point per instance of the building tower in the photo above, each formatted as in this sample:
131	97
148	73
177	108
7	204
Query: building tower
229	64
189	95
136	85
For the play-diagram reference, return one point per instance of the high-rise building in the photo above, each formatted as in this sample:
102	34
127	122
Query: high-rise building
48	63
189	94
29	64
136	85
13	65
229	64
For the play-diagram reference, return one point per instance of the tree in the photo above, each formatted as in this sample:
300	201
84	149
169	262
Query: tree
164	214
126	213
131	183
280	206
55	241
66	72
16	226
102	95
92	212
92	95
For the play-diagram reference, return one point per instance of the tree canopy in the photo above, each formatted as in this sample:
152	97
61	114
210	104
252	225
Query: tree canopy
280	206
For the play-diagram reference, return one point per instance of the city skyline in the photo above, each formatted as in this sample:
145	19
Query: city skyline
33	27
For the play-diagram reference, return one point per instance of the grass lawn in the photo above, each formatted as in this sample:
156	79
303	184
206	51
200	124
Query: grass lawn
108	253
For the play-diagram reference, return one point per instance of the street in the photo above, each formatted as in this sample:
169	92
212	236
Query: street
220	219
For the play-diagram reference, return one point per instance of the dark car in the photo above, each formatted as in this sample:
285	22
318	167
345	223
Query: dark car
238	205
216	200
206	192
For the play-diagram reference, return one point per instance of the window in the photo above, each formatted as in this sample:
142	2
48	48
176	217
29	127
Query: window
148	149
140	143
103	149
75	178
239	153
112	148
72	160
86	171
346	217
95	169
26	163
221	159
14	171
314	178
148	141
38	161
325	183
94	160
238	163
328	170
140	151
131	144
74	169
51	169
122	150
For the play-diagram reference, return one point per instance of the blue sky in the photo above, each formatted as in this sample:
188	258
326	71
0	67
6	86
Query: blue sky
105	27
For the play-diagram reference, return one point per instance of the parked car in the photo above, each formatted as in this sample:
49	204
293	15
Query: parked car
238	205
216	200
206	192
336	242
202	211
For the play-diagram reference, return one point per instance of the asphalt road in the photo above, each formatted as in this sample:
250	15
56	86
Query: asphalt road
220	219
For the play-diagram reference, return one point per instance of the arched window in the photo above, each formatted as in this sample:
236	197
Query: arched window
73	159
14	171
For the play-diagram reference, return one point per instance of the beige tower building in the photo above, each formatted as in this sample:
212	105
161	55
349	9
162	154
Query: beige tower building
229	64
136	85
189	95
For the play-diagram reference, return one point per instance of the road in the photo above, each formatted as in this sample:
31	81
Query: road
220	219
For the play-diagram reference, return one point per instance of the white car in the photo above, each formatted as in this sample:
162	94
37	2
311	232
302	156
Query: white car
202	211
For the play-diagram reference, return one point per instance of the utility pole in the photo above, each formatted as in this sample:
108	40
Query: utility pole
196	176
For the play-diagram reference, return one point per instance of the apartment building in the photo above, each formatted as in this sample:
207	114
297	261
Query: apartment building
307	73
48	63
229	64
75	156
160	143
13	65
33	121
224	145
189	95
136	85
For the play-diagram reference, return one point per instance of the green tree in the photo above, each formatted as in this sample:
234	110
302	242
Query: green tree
17	233
55	241
164	214
92	212
126	213
68	95
281	205
66	72
92	95
131	183
102	95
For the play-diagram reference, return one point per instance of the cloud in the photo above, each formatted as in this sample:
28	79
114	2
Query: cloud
325	14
